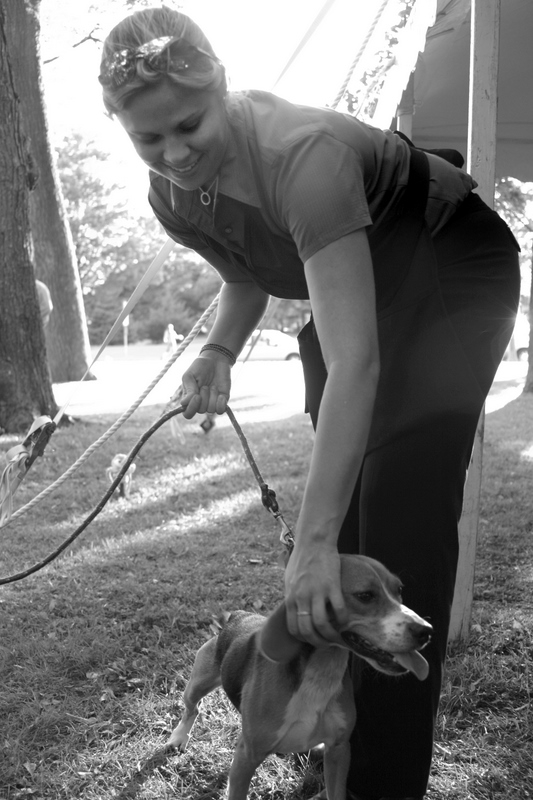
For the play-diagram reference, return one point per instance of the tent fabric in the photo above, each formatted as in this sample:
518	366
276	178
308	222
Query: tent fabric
441	85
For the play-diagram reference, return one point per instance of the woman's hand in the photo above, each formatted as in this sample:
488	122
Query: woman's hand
206	386
313	596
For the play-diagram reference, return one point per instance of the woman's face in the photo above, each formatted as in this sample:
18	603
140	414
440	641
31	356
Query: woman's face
179	133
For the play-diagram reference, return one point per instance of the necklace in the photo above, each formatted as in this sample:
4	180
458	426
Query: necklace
205	197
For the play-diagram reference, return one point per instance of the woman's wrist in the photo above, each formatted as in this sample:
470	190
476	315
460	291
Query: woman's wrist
316	537
218	348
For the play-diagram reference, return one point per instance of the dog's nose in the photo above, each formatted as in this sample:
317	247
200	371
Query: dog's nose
421	632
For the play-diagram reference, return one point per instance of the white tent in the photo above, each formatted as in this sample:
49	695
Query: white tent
441	84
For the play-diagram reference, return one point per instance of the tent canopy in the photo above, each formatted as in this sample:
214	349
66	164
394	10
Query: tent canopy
441	85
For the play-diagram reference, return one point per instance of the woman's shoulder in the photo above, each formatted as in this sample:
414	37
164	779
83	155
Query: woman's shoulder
275	123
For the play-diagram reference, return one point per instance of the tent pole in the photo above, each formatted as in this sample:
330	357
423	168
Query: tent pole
481	158
405	111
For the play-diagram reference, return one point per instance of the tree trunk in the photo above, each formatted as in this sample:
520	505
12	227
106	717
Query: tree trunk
54	254
25	383
528	386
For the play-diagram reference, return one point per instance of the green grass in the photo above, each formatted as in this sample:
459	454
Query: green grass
96	649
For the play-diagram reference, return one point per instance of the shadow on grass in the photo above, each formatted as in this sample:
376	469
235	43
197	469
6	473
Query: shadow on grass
158	759
142	772
212	788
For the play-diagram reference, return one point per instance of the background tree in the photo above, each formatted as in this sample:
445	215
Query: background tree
54	256
25	385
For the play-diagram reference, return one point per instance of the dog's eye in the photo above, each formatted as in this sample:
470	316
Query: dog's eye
365	597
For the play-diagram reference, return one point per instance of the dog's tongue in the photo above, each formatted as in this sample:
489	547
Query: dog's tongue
414	662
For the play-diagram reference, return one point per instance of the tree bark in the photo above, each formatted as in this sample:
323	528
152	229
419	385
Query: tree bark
25	382
54	254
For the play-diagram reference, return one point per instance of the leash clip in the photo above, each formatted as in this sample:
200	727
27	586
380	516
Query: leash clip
268	498
286	536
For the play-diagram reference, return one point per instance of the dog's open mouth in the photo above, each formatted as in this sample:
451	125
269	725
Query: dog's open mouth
393	663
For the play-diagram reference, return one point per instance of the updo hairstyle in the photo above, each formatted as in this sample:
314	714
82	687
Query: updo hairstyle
204	71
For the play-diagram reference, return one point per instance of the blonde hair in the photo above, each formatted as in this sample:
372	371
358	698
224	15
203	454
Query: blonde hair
205	72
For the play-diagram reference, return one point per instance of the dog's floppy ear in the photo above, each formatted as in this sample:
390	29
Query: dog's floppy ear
275	642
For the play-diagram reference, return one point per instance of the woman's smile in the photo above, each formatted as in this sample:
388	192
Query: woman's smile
179	134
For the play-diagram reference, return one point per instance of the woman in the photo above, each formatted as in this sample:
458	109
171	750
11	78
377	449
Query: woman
413	284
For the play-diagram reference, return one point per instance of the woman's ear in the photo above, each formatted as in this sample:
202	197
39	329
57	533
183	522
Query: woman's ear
275	642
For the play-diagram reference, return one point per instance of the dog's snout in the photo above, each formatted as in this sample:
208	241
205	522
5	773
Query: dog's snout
421	632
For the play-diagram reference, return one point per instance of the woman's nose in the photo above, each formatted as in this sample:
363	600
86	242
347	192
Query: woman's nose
176	150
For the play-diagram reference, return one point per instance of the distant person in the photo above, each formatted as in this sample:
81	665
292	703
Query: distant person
171	338
45	302
413	284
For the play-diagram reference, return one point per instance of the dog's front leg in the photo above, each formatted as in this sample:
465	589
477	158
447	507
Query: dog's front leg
245	763
337	752
336	766
204	678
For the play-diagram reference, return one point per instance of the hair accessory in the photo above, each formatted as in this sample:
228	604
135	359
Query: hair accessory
220	349
166	54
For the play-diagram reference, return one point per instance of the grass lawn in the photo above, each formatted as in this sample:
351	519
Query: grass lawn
95	649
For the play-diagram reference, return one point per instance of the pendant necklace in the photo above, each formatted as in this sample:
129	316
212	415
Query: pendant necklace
205	197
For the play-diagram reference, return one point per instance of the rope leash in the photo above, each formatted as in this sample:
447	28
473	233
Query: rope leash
268	496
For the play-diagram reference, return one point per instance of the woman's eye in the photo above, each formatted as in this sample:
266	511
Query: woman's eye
189	128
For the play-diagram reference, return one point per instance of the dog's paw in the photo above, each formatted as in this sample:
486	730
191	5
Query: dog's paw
177	742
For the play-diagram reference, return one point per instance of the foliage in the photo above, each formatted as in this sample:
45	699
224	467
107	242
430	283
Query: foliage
96	649
97	211
514	201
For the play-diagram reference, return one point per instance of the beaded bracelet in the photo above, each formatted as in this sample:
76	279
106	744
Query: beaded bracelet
218	348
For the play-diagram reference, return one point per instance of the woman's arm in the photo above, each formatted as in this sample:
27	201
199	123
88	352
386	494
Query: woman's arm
341	288
206	384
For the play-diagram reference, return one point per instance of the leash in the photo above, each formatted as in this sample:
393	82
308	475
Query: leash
268	496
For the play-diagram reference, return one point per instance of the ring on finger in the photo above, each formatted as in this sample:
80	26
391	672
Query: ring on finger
303	613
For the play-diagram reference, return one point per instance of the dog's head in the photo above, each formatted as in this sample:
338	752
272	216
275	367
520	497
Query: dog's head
380	629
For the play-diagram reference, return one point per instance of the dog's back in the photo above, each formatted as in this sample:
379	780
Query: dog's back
235	652
238	656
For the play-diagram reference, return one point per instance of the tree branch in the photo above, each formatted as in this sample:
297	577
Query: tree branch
89	38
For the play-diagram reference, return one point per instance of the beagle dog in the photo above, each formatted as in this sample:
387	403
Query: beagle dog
293	696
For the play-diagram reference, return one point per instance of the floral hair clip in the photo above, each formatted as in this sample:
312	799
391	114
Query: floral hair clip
166	54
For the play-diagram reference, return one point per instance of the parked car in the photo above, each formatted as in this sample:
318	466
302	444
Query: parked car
270	345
